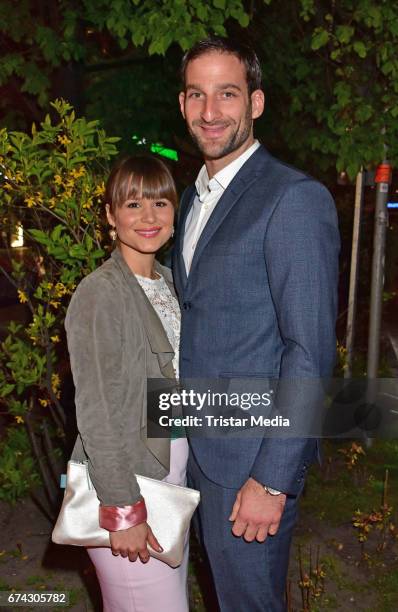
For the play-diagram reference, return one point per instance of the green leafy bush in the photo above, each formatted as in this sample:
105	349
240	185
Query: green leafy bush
52	183
18	470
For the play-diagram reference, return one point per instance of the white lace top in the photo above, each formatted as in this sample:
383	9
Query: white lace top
167	309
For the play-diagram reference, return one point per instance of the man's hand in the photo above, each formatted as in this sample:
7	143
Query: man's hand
133	542
256	513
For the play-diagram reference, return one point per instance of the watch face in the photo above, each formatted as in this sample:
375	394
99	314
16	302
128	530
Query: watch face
272	491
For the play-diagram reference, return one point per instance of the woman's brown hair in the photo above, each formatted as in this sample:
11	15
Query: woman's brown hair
139	177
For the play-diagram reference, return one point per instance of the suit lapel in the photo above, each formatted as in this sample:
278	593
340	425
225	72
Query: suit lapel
185	206
240	183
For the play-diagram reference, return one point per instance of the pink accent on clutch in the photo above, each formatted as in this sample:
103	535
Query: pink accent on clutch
115	518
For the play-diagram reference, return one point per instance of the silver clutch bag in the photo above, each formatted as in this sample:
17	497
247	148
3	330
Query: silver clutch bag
169	507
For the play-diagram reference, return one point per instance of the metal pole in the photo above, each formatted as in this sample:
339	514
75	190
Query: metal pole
382	180
352	295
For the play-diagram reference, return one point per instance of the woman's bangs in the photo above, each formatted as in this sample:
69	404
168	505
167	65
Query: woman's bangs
141	177
152	187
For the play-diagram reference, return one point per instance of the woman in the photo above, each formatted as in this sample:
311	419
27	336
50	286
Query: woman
123	328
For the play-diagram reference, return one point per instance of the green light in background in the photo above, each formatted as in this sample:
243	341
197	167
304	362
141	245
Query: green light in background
157	148
161	150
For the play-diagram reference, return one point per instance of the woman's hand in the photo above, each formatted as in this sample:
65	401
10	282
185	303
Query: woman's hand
132	542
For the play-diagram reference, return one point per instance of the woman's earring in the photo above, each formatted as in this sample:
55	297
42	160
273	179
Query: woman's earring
113	233
172	233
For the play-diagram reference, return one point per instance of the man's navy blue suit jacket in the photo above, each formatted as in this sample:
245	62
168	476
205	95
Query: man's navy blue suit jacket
260	301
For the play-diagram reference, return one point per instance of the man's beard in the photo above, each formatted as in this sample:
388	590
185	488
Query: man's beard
233	143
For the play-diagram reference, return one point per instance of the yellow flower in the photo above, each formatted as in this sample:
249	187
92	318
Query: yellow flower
60	290
54	303
18	178
22	296
78	172
52	202
19	419
7	186
55	380
43	402
100	189
55	339
30	201
64	140
58	179
55	384
88	204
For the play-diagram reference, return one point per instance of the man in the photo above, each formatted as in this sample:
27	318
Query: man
255	267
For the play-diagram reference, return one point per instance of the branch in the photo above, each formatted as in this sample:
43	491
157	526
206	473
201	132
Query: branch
50	452
17	287
48	485
56	409
63	221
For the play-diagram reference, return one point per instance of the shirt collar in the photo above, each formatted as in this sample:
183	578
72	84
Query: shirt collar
202	184
222	179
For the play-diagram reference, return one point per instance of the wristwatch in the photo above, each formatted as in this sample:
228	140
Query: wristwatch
272	491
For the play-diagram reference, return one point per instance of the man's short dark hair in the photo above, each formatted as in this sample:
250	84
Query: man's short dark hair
218	44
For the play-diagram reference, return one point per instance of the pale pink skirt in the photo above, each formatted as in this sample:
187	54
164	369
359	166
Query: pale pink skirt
149	587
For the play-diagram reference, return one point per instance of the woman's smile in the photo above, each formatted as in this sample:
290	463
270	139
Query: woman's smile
149	232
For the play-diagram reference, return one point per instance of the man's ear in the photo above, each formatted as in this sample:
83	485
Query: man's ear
181	98
109	216
258	102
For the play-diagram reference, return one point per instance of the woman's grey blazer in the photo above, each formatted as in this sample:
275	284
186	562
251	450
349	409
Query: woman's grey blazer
116	341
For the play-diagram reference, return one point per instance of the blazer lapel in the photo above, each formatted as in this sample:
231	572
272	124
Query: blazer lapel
240	183
160	345
154	329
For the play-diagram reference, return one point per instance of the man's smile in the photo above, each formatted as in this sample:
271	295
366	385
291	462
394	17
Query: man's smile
212	131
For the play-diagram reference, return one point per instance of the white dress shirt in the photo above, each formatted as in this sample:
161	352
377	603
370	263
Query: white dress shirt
208	193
